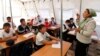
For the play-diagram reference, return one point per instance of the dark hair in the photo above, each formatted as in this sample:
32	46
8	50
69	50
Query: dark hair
88	12
6	24
21	20
71	18
40	27
8	17
52	17
67	21
46	19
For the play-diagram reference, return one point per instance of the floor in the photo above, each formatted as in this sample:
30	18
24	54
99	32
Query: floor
94	49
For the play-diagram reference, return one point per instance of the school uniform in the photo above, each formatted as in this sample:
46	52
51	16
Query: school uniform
53	23
66	36
30	28
4	34
72	25
22	29
40	37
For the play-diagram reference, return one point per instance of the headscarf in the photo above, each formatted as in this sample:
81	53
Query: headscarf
92	12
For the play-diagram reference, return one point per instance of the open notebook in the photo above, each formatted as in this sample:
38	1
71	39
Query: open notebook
57	45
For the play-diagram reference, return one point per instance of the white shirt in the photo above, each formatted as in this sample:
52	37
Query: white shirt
64	27
4	34
40	37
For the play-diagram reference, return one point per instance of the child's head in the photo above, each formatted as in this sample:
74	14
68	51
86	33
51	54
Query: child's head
46	20
22	21
71	19
67	22
52	18
42	28
9	19
6	27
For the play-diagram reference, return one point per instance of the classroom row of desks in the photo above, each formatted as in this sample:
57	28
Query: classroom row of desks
47	50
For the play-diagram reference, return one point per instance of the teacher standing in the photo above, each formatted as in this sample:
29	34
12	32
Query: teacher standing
84	32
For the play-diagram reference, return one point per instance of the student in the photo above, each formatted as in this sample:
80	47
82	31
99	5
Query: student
42	37
22	28
7	33
66	29
30	27
72	25
66	26
9	20
46	23
84	32
53	22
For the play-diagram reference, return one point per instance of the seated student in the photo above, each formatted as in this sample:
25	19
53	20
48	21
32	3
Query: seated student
9	20
7	33
67	28
22	28
72	25
30	27
42	37
46	23
53	22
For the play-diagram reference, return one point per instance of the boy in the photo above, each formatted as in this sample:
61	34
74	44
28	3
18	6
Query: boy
46	23
22	28
7	33
9	20
53	22
42	37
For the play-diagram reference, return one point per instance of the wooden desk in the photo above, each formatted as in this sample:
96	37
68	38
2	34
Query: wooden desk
54	27
49	51
20	39
54	30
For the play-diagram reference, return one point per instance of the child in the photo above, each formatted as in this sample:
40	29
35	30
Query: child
42	37
7	33
46	23
53	22
22	28
9	20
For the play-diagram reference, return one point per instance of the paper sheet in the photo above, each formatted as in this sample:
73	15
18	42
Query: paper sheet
53	27
58	45
72	32
27	35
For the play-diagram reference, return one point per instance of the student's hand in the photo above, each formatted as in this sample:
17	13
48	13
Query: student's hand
57	39
14	37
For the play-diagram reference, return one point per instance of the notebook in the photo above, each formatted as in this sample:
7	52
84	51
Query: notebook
57	45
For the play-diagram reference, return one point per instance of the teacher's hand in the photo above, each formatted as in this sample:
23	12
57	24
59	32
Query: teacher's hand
77	30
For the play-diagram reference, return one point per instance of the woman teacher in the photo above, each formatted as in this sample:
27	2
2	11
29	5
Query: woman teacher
84	32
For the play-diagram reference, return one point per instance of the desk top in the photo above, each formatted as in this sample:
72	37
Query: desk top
54	27
20	38
49	51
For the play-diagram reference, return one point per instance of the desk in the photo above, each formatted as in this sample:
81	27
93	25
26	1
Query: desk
20	39
49	51
54	30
